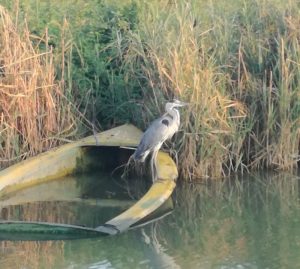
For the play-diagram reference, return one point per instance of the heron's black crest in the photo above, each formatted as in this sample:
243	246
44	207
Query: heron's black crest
165	122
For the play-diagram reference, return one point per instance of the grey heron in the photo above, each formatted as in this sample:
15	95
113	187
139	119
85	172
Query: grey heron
158	132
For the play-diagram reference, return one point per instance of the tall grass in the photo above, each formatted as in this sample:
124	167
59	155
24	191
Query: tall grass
238	68
236	63
34	113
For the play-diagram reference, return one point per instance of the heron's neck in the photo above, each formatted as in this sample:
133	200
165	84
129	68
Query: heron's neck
174	113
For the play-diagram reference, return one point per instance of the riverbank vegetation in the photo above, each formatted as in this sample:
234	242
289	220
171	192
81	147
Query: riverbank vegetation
82	67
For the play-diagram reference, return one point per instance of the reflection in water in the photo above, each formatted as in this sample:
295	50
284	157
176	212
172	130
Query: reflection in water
82	213
253	223
86	200
155	251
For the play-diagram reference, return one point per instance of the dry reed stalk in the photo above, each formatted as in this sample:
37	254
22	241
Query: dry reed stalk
182	68
34	114
240	75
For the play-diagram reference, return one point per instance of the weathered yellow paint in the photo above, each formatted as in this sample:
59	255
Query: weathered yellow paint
63	160
153	199
160	191
166	168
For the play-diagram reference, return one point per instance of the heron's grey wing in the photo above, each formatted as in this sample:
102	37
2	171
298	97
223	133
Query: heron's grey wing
156	133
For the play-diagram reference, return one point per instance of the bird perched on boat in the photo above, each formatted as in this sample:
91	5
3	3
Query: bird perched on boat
158	132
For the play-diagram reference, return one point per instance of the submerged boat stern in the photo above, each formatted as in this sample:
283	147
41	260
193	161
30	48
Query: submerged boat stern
111	151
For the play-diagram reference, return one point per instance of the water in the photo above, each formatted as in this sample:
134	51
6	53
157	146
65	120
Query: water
249	223
85	199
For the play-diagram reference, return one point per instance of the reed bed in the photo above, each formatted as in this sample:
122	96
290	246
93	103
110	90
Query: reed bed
34	113
237	64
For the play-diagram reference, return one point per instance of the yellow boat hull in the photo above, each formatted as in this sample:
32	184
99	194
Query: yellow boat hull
68	158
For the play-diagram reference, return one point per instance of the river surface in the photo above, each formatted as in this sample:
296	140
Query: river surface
248	222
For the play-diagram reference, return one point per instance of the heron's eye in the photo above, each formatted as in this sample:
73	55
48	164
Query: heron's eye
165	122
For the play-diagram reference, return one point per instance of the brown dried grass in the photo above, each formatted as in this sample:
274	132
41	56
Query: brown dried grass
34	114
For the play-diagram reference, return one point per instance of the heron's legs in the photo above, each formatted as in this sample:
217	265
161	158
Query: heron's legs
153	164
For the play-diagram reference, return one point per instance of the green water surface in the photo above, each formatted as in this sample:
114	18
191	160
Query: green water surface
247	222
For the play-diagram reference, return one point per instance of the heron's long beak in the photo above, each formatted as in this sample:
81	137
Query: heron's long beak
180	103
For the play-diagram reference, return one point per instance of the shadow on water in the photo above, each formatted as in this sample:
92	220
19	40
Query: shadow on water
251	222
